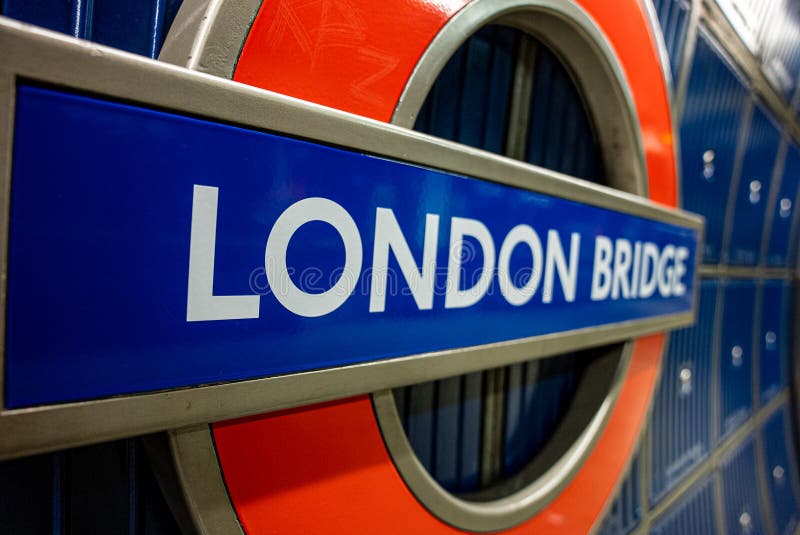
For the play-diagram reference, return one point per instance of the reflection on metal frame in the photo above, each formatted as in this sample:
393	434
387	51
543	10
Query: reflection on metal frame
74	64
203	41
512	501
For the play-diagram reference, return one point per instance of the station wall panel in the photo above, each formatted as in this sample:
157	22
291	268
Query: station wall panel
736	354
755	181
781	468
715	102
774	337
693	514
780	237
740	490
683	395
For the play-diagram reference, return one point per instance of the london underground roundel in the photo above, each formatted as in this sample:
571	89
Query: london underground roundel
351	465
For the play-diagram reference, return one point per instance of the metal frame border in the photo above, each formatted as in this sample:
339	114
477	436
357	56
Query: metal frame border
74	65
201	40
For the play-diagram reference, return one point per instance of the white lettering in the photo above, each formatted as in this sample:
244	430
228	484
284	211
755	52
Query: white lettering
518	296
389	236
601	275
201	303
290	296
568	276
454	296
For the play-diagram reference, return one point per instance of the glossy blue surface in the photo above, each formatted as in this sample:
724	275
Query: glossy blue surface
736	354
138	26
676	449
781	467
774	337
693	514
111	316
782	245
709	127
740	492
750	201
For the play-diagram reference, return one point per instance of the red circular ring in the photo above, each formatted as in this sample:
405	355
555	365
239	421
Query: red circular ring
325	467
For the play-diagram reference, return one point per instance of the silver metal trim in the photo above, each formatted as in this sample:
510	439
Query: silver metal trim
7	101
197	467
520	107
744	272
74	64
514	508
202	40
580	44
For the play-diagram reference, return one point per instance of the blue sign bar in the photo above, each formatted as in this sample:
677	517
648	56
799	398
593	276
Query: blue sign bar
150	250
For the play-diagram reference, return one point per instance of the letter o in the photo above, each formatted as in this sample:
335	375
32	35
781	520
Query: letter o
290	296
514	295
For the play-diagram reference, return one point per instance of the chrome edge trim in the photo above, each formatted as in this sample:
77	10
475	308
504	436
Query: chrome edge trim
202	40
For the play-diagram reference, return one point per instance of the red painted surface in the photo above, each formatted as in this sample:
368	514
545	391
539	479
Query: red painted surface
353	55
324	469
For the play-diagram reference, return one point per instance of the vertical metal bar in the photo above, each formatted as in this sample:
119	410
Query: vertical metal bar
682	83
133	491
494	380
492	439
82	14
7	102
57	510
156	28
520	107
